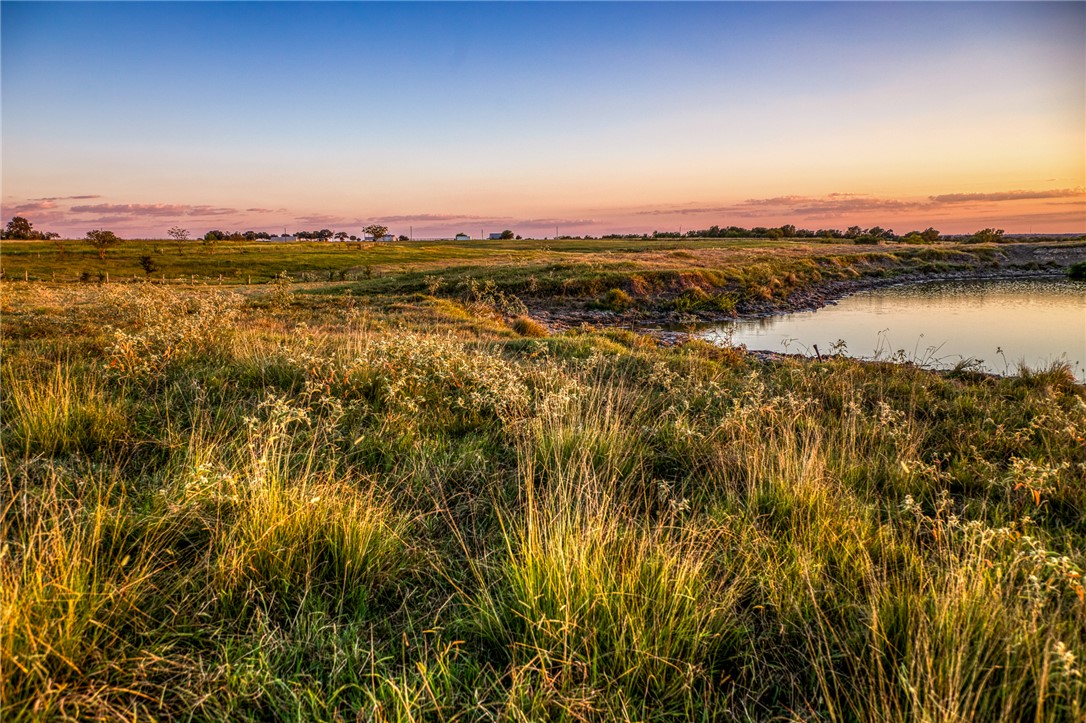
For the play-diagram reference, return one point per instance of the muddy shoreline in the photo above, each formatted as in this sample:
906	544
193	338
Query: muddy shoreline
663	323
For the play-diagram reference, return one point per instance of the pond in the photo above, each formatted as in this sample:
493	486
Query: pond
1000	324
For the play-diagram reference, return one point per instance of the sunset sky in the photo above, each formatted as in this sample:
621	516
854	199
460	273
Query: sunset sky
595	118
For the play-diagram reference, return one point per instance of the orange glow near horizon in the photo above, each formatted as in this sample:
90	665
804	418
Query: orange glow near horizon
958	116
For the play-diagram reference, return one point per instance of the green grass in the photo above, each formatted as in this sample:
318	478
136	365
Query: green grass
414	507
653	273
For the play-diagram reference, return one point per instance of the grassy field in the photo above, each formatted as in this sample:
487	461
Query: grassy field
660	275
394	499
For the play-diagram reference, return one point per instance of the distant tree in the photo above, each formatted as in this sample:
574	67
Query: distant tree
178	234
987	236
788	230
376	230
212	238
507	234
774	233
148	265
854	232
101	240
354	238
324	234
341	235
930	235
403	238
21	229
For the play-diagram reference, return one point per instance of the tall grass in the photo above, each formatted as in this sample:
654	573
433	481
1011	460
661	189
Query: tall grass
58	410
385	516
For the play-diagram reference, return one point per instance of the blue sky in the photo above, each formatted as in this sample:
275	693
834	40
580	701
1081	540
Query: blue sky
599	114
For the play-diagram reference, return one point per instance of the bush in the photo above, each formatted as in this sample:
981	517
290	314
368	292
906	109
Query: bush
1077	272
617	300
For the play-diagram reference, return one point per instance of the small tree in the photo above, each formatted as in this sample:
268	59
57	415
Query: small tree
148	265
212	238
507	235
101	240
21	228
341	235
988	236
178	234
376	230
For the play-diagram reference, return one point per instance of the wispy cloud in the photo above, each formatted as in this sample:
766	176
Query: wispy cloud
438	218
557	221
324	219
125	210
836	205
42	205
1009	196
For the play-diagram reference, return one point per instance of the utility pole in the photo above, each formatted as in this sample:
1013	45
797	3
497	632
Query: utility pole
411	233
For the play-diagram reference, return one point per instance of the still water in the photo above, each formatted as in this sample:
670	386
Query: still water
936	324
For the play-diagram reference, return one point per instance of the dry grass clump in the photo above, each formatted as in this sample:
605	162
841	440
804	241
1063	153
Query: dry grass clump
59	410
527	326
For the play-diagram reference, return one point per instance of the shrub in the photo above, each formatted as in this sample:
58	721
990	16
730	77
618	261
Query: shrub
617	300
1077	272
157	327
691	299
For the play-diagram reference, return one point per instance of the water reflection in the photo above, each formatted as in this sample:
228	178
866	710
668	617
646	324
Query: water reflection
937	324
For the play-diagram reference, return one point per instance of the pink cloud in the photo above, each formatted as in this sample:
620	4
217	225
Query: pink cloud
836	205
557	221
153	209
324	219
42	205
438	217
1009	196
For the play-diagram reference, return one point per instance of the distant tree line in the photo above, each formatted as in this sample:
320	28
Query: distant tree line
217	235
20	228
874	234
